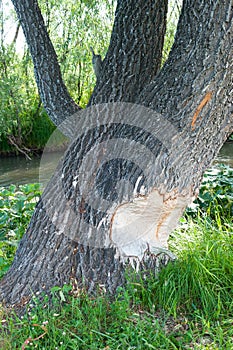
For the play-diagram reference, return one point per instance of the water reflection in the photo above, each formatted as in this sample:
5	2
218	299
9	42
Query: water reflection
225	155
18	170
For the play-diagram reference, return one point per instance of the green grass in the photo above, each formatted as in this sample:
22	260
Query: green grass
188	306
201	277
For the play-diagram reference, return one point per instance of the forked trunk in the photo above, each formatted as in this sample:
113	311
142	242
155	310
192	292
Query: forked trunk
131	168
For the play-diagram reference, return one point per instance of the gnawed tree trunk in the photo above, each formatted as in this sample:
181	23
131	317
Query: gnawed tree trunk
131	168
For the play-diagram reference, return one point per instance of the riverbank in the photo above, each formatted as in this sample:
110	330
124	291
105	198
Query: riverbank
19	170
37	151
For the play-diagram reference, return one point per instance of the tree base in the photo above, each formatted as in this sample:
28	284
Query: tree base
93	270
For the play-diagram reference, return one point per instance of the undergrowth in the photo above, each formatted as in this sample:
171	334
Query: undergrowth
188	306
17	204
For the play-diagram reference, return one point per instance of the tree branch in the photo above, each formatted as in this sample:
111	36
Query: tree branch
16	33
193	91
135	50
53	92
196	60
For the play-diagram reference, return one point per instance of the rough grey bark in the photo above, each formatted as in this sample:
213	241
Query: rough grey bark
194	88
193	96
135	51
53	92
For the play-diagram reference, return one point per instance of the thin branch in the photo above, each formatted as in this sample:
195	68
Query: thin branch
16	34
13	142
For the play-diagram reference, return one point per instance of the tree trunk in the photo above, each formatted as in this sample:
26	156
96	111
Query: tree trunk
135	51
53	92
131	168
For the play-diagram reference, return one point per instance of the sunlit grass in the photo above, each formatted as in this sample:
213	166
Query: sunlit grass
189	305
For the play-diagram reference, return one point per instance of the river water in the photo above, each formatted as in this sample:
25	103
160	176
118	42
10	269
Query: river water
19	170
